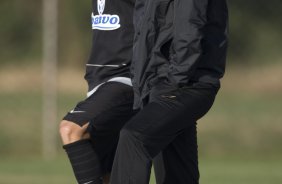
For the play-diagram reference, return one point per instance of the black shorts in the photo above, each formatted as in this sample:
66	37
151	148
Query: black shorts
112	97
107	110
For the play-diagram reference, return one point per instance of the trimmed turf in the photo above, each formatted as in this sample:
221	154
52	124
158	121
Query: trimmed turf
232	171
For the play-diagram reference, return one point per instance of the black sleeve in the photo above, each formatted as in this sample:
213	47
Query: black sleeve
190	16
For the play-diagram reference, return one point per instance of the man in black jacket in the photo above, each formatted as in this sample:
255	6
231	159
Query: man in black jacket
110	99
179	55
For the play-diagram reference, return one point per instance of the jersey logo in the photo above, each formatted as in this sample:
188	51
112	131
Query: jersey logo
104	21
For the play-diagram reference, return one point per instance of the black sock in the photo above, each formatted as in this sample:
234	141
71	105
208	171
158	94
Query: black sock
84	161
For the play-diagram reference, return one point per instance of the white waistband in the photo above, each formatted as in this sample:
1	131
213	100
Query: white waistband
124	80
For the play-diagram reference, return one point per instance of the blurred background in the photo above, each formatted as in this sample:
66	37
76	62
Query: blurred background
239	139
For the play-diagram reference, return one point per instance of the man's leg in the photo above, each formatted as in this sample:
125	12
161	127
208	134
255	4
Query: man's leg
178	162
104	133
155	127
83	158
104	110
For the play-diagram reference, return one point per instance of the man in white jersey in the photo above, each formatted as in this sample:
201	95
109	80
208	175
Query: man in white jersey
90	131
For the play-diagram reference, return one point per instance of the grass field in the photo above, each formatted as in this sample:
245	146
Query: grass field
36	171
239	140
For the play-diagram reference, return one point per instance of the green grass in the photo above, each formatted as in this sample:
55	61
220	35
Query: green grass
242	135
242	124
252	171
239	139
35	171
20	117
237	124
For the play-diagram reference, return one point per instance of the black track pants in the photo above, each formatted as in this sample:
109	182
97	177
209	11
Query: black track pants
178	162
155	127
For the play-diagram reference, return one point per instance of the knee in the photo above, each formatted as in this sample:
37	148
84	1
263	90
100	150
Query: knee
70	131
131	140
129	137
148	145
126	134
66	128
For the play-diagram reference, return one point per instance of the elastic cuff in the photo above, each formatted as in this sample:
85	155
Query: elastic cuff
77	143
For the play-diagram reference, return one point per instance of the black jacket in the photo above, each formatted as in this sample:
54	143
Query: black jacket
176	42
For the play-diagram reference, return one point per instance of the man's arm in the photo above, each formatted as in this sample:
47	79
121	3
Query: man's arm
190	17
